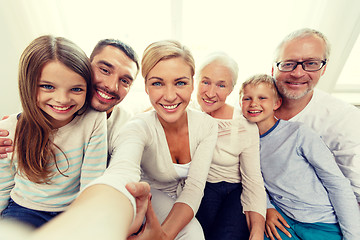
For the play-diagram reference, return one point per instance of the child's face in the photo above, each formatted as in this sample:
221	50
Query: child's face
61	93
258	103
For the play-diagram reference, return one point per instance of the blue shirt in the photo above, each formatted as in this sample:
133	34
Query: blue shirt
303	179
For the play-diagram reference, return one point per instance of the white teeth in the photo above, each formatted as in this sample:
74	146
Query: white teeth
61	108
103	95
170	107
208	101
254	111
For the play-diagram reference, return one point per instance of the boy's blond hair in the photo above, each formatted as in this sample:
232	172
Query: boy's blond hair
258	79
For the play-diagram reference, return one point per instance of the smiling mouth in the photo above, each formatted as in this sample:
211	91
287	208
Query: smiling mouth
296	83
104	95
61	108
254	112
209	101
170	107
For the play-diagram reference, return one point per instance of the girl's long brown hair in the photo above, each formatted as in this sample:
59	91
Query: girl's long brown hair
33	139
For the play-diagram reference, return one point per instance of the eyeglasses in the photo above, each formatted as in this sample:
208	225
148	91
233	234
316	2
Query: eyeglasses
309	65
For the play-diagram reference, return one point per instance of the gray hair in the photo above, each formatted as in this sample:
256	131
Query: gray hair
224	60
302	33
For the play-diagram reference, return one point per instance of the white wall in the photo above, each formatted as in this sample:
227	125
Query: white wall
248	30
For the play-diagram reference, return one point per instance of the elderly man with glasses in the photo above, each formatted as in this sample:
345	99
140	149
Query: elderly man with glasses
300	61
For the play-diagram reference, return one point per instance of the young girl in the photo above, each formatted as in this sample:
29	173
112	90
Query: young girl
60	144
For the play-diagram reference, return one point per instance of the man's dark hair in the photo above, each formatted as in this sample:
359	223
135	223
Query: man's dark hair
129	51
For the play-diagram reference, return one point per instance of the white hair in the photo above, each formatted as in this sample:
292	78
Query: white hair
302	33
224	60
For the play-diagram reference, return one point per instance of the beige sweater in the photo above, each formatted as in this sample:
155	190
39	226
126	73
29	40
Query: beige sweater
237	159
143	142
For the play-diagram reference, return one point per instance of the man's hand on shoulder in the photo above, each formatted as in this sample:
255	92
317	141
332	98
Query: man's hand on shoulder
5	144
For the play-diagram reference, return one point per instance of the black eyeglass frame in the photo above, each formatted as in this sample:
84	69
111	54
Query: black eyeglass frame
323	62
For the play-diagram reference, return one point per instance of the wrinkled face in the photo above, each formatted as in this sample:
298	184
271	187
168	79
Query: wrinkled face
215	85
258	103
299	83
61	93
169	85
114	73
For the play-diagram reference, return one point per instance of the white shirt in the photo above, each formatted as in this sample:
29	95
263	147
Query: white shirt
338	123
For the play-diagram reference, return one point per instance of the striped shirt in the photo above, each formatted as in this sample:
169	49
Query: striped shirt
84	143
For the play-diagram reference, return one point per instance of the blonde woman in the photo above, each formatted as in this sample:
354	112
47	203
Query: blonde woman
176	143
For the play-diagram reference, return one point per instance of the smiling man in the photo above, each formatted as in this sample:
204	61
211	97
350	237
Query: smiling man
300	61
115	67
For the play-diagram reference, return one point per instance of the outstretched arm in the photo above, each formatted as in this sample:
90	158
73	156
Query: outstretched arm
100	212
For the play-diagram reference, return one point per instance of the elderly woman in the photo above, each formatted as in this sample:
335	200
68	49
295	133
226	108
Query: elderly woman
235	170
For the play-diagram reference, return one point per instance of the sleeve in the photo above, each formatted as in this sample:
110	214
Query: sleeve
95	152
338	124
338	187
253	197
268	202
193	189
344	142
126	156
7	173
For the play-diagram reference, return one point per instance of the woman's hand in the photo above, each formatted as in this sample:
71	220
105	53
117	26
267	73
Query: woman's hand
152	228
141	192
256	224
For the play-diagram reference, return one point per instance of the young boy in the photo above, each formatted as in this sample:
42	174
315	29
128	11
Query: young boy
307	192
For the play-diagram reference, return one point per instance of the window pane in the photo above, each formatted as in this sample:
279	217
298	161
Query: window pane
350	74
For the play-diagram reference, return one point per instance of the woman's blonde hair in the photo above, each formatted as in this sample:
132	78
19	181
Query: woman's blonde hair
163	50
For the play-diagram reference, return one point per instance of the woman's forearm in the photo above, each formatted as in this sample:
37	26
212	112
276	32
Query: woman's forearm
256	224
179	216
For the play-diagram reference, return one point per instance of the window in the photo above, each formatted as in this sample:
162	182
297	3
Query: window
249	31
348	85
